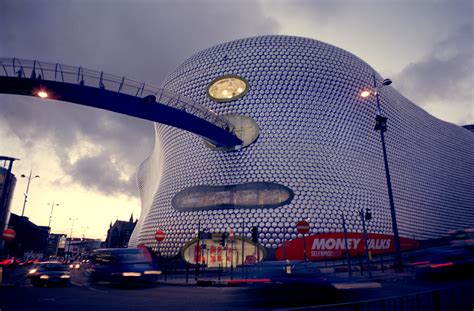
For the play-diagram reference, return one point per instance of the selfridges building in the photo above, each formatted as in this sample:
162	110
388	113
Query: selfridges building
312	151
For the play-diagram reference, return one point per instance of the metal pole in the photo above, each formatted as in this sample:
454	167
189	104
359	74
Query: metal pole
50	215
70	241
348	256
198	251
369	270
26	193
243	247
396	237
304	246
232	260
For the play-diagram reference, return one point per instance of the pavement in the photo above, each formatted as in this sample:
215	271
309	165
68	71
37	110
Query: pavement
340	280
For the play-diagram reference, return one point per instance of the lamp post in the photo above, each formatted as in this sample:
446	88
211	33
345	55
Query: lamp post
366	216
381	125
70	240
83	238
27	189
51	213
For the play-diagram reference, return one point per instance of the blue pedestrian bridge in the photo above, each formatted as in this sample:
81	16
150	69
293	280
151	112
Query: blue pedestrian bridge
118	94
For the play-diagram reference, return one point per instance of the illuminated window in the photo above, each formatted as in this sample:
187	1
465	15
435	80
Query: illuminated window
249	195
227	88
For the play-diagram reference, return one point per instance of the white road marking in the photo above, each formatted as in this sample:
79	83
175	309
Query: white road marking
97	290
357	285
77	284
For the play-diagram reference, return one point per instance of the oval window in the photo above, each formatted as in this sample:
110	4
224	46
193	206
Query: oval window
227	88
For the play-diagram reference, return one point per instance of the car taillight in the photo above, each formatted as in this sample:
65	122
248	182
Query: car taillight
440	265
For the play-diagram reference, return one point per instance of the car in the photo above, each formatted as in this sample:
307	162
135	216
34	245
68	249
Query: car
75	266
450	261
49	272
123	266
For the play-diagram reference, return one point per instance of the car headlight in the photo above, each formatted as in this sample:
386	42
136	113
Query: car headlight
131	274
155	272
44	277
32	271
71	266
77	266
65	276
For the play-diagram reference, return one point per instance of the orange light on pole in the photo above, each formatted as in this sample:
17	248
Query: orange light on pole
365	94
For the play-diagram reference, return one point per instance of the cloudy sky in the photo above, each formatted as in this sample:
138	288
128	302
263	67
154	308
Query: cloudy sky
87	158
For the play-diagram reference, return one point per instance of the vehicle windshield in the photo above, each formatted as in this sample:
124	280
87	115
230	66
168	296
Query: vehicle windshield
52	267
129	256
463	236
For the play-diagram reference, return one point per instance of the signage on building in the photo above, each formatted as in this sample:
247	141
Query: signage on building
212	254
332	245
62	242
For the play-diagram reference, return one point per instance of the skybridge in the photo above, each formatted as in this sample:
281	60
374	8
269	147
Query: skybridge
118	94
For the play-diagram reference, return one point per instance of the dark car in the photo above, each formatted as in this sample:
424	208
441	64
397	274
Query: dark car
123	266
49	272
455	260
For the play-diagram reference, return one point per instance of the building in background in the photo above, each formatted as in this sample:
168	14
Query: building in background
119	233
312	152
5	203
77	248
30	238
56	245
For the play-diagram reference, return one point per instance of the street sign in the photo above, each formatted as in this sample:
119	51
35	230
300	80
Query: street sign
9	235
302	227
159	235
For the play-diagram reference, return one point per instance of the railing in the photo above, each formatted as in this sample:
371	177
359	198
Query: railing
453	298
32	69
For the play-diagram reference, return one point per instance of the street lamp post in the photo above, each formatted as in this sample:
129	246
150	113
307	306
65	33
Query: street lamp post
83	238
51	213
68	255
46	249
27	189
381	125
364	217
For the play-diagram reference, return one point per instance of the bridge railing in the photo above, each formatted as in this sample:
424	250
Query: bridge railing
33	69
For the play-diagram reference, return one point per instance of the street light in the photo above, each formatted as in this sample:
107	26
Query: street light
83	237
381	125
27	188
70	239
51	213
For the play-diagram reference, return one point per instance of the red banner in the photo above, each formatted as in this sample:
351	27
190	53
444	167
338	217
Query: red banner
332	245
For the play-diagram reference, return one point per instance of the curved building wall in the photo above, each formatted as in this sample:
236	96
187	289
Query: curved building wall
317	139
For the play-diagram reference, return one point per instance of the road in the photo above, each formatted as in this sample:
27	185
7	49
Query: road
80	295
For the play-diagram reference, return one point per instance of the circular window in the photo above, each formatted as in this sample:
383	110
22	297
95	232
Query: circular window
227	88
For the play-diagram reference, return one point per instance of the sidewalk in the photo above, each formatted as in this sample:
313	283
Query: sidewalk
249	278
14	277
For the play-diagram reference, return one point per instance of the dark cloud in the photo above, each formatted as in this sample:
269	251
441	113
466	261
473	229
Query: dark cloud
143	40
445	75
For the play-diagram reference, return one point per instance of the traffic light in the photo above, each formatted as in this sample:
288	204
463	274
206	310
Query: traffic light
368	214
255	234
380	123
223	239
